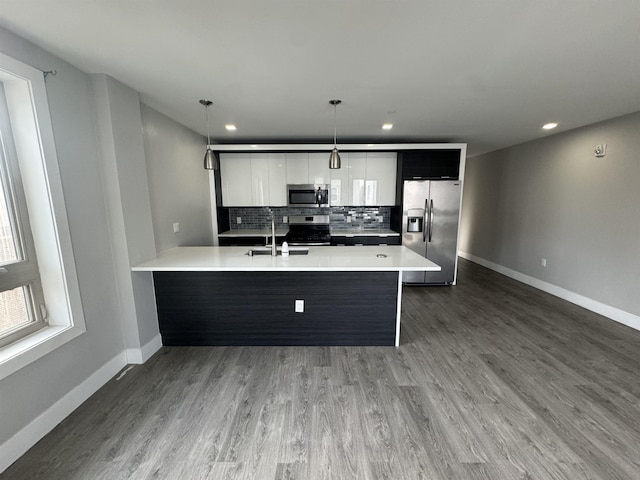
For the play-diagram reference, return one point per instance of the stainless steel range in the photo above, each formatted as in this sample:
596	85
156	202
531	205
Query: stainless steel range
309	230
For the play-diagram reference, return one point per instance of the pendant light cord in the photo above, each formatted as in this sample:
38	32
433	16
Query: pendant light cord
207	104
335	128
206	112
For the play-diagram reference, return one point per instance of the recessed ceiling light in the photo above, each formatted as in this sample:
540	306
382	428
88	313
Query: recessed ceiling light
231	127
387	126
549	126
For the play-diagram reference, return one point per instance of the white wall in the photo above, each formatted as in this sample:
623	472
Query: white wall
26	395
178	183
552	198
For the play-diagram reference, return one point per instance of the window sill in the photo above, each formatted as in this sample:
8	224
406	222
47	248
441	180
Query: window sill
21	353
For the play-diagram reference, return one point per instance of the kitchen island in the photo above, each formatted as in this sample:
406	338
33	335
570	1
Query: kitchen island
329	296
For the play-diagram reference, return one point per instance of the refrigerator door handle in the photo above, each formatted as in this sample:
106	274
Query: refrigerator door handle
425	220
430	219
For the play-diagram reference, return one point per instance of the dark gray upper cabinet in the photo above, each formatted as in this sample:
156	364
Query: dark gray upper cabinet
429	164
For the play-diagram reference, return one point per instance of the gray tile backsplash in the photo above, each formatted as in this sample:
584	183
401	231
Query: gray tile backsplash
341	218
365	218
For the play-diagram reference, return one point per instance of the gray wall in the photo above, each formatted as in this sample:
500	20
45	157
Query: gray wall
178	183
124	172
552	198
33	389
103	138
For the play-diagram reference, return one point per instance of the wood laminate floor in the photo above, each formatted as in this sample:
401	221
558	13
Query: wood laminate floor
494	380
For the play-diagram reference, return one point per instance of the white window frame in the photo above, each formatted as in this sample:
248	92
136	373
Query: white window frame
30	119
23	272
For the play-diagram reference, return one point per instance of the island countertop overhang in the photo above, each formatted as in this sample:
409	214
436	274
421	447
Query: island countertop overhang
338	259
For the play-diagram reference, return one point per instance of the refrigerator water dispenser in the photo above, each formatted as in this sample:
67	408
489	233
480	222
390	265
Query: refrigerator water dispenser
414	224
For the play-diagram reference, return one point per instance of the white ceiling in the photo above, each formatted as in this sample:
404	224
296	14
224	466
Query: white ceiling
488	73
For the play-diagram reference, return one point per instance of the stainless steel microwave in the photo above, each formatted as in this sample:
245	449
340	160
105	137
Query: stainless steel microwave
308	195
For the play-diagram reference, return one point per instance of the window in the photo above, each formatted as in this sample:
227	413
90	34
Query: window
22	308
37	267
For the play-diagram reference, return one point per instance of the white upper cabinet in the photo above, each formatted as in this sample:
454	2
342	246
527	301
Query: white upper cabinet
380	184
277	180
306	168
365	179
357	166
235	172
319	172
260	179
340	193
297	168
253	180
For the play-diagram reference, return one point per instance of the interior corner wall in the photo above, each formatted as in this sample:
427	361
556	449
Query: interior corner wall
553	199
178	183
36	397
119	125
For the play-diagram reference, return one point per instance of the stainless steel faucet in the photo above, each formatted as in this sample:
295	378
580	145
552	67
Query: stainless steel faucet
274	249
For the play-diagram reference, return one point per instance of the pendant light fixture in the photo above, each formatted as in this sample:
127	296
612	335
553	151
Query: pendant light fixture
334	158
210	160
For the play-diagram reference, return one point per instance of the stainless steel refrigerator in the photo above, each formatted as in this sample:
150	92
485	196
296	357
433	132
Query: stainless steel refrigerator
430	214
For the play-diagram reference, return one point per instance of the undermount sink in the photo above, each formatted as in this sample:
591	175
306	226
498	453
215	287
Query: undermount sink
267	251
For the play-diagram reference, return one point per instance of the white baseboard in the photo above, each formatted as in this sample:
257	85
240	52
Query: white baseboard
22	441
140	355
603	309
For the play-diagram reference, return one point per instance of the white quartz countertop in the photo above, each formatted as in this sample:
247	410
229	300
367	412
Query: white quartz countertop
381	232
254	232
234	259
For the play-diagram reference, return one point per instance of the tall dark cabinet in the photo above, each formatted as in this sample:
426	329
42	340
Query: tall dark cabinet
436	164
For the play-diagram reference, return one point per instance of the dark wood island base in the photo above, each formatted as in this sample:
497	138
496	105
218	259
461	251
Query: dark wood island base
257	308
